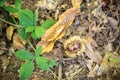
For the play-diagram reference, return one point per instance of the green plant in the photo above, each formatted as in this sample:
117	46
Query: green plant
30	59
27	20
28	29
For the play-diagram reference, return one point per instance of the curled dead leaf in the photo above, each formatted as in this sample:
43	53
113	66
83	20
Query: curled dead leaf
18	42
76	3
58	29
9	32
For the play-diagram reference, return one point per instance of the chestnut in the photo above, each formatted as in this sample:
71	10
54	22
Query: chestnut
73	47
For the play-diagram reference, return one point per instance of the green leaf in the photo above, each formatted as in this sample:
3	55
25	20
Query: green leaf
38	51
42	63
18	4
2	3
26	70
113	59
24	55
35	17
48	23
26	18
29	29
11	9
22	33
33	35
52	63
39	31
28	12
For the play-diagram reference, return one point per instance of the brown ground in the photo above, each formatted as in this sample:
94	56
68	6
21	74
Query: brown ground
88	22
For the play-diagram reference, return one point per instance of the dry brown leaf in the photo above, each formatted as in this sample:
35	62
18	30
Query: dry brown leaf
57	30
49	4
9	32
95	56
113	22
42	3
76	3
65	20
92	41
18	42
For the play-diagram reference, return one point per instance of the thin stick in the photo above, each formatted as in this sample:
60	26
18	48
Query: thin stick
54	74
60	72
10	23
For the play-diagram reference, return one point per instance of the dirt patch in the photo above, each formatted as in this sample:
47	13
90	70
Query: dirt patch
97	22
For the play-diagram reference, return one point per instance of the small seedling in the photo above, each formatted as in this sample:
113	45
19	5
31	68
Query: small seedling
27	28
27	68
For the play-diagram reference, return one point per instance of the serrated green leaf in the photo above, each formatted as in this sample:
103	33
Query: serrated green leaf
26	18
52	63
18	4
35	17
24	55
48	23
21	32
38	51
42	63
29	29
26	70
33	35
39	31
2	3
11	9
28	12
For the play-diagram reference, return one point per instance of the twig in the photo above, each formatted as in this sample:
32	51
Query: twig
73	74
10	23
54	74
60	72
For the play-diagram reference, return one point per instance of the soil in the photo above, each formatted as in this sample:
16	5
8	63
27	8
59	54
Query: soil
100	22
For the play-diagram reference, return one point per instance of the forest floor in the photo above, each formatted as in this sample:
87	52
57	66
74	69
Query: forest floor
99	23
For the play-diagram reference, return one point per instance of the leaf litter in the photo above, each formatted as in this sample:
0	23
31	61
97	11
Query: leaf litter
99	26
95	21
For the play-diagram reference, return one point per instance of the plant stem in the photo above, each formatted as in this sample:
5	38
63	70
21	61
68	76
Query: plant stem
31	45
53	74
10	23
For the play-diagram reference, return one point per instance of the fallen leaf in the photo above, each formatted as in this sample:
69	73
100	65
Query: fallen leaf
58	29
114	23
49	4
18	42
9	32
42	3
76	3
14	14
95	56
92	41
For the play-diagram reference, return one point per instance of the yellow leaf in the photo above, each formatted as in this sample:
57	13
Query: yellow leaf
58	29
18	42
76	3
48	47
14	14
9	32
